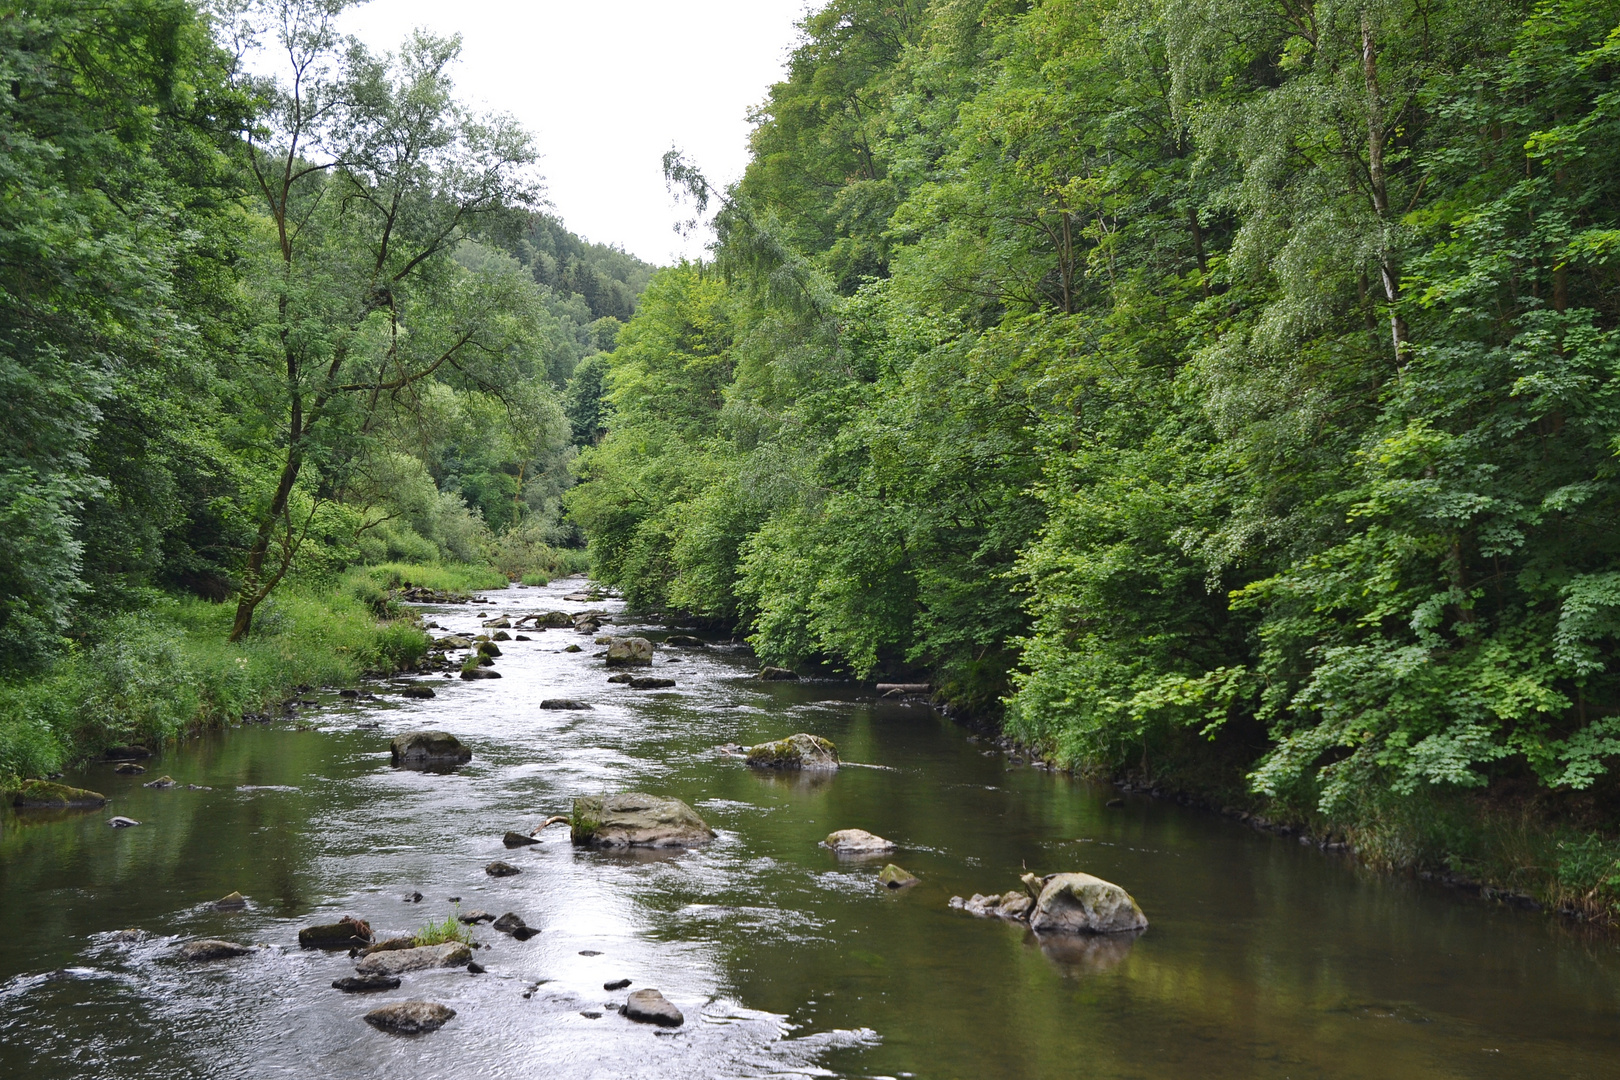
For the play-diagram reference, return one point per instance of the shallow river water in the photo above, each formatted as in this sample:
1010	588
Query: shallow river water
1263	958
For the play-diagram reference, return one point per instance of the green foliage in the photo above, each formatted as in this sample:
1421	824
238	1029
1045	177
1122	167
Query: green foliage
450	930
445	577
168	669
1182	374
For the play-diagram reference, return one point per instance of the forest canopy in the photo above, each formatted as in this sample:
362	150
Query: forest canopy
1178	379
271	304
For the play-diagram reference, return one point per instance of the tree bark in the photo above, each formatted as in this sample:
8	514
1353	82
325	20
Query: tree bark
1388	273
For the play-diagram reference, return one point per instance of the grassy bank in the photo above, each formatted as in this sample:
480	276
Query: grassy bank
155	675
440	577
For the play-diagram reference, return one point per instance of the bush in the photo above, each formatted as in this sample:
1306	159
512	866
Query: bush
360	581
536	579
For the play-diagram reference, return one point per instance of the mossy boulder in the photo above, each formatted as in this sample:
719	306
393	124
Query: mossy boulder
625	651
896	878
799	751
777	674
635	819
346	933
429	749
1082	904
44	795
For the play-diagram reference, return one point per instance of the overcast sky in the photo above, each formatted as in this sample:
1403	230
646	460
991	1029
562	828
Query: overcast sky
606	88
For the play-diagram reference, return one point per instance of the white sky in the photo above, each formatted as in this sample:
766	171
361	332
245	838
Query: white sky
606	88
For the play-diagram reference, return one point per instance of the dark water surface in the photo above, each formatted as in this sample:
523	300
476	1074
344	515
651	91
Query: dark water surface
1264	959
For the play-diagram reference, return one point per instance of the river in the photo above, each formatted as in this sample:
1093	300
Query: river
1263	958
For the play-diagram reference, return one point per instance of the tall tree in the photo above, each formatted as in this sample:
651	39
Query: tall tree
371	176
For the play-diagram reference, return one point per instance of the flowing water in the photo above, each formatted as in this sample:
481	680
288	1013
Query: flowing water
1263	958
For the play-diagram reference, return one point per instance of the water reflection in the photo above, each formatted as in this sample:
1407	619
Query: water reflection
1084	954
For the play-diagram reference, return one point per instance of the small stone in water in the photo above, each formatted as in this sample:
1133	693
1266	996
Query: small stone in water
501	869
475	968
651	1007
589	952
616	984
473	917
130	769
121	822
414	898
411	1017
524	933
507	923
160	782
517	839
231	902
589	1014
365	984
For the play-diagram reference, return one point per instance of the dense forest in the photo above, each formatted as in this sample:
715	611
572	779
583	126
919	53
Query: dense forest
272	306
1220	394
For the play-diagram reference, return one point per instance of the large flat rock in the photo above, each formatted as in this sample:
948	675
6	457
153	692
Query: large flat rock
399	961
635	819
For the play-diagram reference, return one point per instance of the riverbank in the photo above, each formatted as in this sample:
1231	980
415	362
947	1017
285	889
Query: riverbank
168	670
1515	844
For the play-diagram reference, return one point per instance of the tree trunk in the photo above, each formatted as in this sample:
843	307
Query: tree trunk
1387	270
254	587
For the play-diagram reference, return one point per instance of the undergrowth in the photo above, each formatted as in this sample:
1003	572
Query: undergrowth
154	675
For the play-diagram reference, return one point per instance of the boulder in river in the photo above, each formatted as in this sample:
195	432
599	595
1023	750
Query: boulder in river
799	751
347	933
420	691
563	703
896	878
778	674
858	842
393	944
161	782
1082	904
129	768
501	635
499	624
411	1017
651	682
211	949
428	749
472	673
472	918
488	648
400	961
455	641
121	822
651	1007
626	651
366	984
684	640
621	677
501	869
45	795
231	902
517	839
635	819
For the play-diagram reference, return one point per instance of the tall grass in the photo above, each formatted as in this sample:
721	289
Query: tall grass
442	933
154	675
